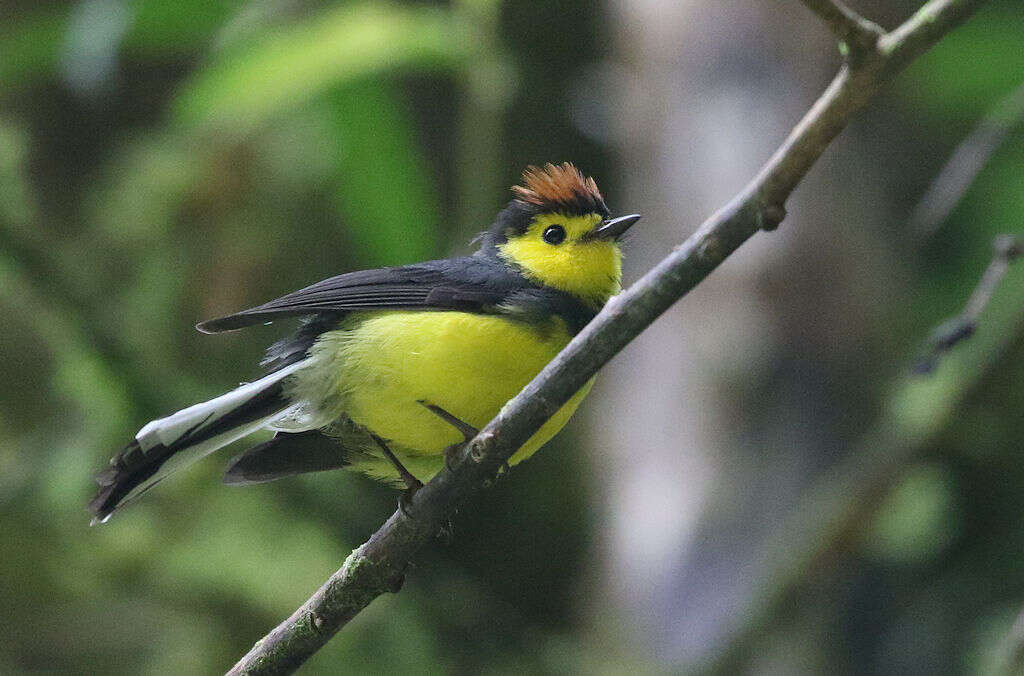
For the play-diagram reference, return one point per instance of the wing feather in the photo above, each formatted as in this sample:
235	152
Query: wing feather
468	284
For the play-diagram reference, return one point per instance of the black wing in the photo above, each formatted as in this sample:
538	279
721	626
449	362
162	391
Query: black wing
474	284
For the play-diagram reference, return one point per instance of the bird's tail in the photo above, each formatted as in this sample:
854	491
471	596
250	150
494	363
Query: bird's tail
169	444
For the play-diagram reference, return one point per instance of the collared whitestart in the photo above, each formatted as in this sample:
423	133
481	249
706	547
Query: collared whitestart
393	368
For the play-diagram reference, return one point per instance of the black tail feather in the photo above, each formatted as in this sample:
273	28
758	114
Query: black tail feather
134	465
128	469
286	455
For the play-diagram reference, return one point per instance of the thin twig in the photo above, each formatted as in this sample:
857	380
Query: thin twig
833	514
916	35
379	565
953	331
963	167
850	28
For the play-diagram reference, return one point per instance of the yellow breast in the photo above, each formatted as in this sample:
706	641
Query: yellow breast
384	363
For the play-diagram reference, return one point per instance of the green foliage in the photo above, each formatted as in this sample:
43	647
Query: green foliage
259	76
945	81
382	178
31	45
238	150
917	521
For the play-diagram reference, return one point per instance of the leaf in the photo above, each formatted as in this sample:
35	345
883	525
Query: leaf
964	88
281	70
179	27
383	190
30	47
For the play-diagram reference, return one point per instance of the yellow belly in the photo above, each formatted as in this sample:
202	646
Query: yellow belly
470	365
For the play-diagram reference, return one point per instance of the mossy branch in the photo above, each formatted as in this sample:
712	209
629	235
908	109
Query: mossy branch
379	565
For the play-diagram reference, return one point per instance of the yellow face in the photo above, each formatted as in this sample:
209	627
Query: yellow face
567	259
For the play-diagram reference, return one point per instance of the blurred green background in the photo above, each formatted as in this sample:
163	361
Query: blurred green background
164	162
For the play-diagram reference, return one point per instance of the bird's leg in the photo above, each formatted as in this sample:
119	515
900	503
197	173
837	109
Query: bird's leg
412	484
467	430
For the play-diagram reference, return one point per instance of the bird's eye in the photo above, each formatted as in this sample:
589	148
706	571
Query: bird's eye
554	234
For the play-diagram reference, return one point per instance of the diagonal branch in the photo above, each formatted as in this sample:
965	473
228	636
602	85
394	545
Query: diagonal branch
379	565
963	167
1011	659
850	28
958	329
831	517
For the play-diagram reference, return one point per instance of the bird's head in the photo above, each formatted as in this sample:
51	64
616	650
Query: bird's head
557	232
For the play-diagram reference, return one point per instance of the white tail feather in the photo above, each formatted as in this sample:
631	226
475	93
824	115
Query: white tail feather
194	419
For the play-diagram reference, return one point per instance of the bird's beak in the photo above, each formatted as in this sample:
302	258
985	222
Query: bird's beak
615	228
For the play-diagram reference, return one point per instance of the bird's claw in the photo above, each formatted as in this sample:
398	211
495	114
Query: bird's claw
406	498
503	471
451	454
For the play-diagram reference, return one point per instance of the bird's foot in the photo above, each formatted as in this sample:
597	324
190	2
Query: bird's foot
503	471
451	454
406	498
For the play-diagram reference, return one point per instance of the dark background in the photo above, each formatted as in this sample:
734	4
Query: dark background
164	162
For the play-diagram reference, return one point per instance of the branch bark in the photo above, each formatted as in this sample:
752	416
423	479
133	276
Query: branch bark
952	332
378	566
963	167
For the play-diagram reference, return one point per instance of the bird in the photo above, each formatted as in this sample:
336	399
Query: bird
392	370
